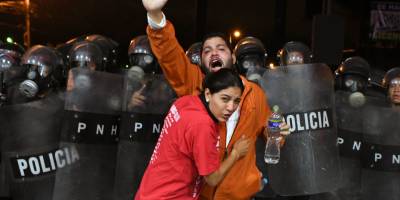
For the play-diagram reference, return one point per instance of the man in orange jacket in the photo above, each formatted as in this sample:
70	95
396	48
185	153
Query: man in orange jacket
244	179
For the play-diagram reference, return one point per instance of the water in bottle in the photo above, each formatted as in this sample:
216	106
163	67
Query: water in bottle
272	148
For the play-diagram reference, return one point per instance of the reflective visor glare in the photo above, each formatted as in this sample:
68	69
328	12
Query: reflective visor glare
296	59
349	82
5	63
148	59
395	82
44	71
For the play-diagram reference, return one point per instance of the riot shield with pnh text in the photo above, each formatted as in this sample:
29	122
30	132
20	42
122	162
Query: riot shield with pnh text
91	128
380	175
146	100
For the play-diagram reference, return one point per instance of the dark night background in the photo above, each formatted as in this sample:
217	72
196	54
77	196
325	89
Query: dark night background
273	21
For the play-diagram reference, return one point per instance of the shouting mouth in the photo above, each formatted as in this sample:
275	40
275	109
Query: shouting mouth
216	62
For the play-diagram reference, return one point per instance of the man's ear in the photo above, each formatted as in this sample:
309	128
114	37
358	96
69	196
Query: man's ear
233	58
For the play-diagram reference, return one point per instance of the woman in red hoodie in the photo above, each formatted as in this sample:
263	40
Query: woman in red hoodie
187	150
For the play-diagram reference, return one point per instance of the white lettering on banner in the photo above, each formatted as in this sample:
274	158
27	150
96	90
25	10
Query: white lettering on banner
357	145
340	140
396	159
171	118
114	129
378	156
308	121
52	164
156	128
314	125
59	159
43	165
34	165
100	129
138	126
22	165
81	126
46	163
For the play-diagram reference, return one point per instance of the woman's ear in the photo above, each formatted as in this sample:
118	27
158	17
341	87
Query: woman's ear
207	94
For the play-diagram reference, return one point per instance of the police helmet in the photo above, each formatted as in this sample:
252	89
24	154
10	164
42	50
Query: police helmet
391	74
140	55
294	52
249	51
86	54
44	70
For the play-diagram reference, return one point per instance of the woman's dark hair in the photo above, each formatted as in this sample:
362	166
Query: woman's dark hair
222	79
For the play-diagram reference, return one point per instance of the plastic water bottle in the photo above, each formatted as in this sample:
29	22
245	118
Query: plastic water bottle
272	148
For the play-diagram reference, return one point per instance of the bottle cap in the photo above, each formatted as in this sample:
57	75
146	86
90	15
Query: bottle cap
275	108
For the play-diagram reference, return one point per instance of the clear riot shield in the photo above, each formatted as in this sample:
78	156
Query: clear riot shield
349	122
147	98
309	161
90	128
30	135
380	175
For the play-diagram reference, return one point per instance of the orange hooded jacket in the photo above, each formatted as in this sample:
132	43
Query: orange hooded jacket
243	179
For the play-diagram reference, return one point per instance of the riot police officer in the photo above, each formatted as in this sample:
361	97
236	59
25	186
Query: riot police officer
146	70
88	55
391	82
107	46
109	49
251	58
147	98
140	54
13	50
293	53
44	71
353	76
10	70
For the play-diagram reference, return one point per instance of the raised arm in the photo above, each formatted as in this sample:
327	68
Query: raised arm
184	77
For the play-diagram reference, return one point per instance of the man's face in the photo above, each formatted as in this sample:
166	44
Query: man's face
216	55
394	91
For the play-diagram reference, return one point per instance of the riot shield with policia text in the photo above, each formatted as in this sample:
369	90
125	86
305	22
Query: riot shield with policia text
91	126
30	135
380	175
309	161
147	98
